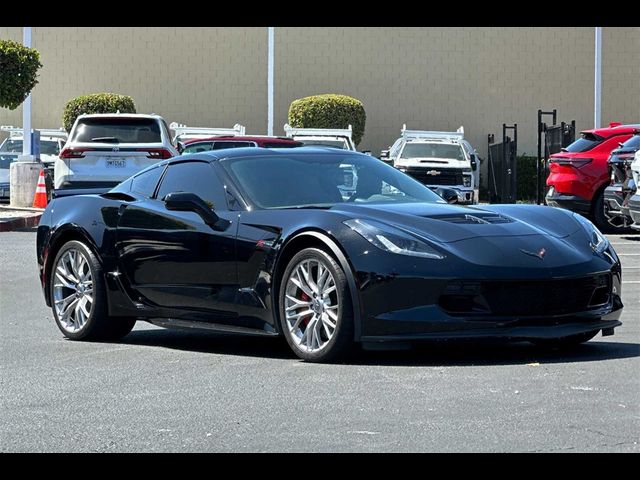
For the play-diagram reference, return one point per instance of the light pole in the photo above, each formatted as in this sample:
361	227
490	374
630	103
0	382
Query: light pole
270	54
597	100
26	105
24	173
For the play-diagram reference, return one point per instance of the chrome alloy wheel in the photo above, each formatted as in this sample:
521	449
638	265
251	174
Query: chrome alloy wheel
311	305
72	290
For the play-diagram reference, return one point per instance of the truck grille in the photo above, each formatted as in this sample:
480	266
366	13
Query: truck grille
436	176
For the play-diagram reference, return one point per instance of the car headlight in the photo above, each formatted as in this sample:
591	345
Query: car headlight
466	179
391	239
598	242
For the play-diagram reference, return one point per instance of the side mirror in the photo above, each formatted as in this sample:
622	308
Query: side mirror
474	161
384	155
180	147
190	202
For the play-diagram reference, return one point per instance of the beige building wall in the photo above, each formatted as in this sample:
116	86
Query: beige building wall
621	75
428	78
198	76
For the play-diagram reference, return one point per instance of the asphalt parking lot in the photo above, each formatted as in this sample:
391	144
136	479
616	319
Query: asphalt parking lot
162	390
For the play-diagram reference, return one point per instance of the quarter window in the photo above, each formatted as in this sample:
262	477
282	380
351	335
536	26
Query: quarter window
145	183
194	177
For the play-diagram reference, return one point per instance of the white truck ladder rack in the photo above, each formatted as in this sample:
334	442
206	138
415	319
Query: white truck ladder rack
317	132
44	132
456	136
203	132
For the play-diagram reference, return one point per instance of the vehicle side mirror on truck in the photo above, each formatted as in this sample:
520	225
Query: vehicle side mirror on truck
384	155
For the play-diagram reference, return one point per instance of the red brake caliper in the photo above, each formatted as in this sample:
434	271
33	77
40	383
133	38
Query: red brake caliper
305	298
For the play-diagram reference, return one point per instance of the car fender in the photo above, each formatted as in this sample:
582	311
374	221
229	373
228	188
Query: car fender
337	252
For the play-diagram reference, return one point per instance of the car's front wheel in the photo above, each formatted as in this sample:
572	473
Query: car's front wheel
78	296
316	313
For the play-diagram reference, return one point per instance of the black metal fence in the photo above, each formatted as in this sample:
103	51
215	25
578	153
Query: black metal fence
551	139
502	166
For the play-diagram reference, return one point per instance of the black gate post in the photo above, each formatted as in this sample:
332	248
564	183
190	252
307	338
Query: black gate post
510	162
539	166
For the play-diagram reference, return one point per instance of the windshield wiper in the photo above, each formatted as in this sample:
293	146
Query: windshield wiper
105	139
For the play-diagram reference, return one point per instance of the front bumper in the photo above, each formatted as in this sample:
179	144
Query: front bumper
466	195
568	202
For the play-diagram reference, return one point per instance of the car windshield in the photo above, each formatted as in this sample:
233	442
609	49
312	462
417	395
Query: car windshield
322	181
632	144
117	130
7	159
339	143
585	143
49	147
432	150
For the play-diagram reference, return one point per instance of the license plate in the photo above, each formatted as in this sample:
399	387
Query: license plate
116	163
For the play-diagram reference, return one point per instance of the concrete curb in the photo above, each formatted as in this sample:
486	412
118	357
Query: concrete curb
20	222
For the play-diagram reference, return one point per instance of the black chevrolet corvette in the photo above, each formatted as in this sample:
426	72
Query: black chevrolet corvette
328	248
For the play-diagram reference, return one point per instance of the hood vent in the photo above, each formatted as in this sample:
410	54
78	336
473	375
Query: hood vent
476	218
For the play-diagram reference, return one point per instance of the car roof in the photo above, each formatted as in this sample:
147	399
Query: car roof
213	155
615	130
120	115
248	138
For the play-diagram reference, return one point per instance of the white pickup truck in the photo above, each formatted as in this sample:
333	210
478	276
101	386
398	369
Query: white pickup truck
438	159
327	137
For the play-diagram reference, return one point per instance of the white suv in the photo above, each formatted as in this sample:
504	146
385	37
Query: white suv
104	149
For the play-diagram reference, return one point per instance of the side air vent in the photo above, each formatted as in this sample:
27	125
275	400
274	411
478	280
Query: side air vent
477	218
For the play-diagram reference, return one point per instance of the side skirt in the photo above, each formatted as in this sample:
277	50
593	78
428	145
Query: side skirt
215	327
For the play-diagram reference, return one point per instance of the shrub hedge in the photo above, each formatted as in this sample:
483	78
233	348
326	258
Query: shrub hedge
96	103
19	67
329	111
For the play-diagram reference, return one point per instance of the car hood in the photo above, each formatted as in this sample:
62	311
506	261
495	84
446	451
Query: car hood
449	223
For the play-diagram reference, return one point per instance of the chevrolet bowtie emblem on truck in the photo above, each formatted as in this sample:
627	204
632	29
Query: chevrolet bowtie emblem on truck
541	253
115	149
433	172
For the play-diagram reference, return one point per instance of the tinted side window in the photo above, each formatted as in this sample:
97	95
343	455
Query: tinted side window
194	177
224	145
198	147
145	183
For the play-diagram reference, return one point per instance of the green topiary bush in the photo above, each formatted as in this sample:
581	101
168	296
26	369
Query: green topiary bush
19	67
526	178
329	111
96	103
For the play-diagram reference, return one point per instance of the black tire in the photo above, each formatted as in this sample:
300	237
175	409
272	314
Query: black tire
566	342
600	217
341	344
98	325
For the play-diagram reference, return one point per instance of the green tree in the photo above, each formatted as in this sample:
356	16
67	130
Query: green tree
19	67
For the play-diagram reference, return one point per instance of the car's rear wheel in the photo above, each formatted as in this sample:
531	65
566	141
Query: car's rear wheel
316	313
566	342
78	296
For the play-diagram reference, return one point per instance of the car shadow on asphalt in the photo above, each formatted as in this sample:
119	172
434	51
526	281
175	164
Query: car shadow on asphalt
426	354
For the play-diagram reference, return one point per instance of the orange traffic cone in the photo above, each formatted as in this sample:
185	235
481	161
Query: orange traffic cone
40	198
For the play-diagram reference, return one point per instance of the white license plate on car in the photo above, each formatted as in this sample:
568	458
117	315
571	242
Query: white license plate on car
116	163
